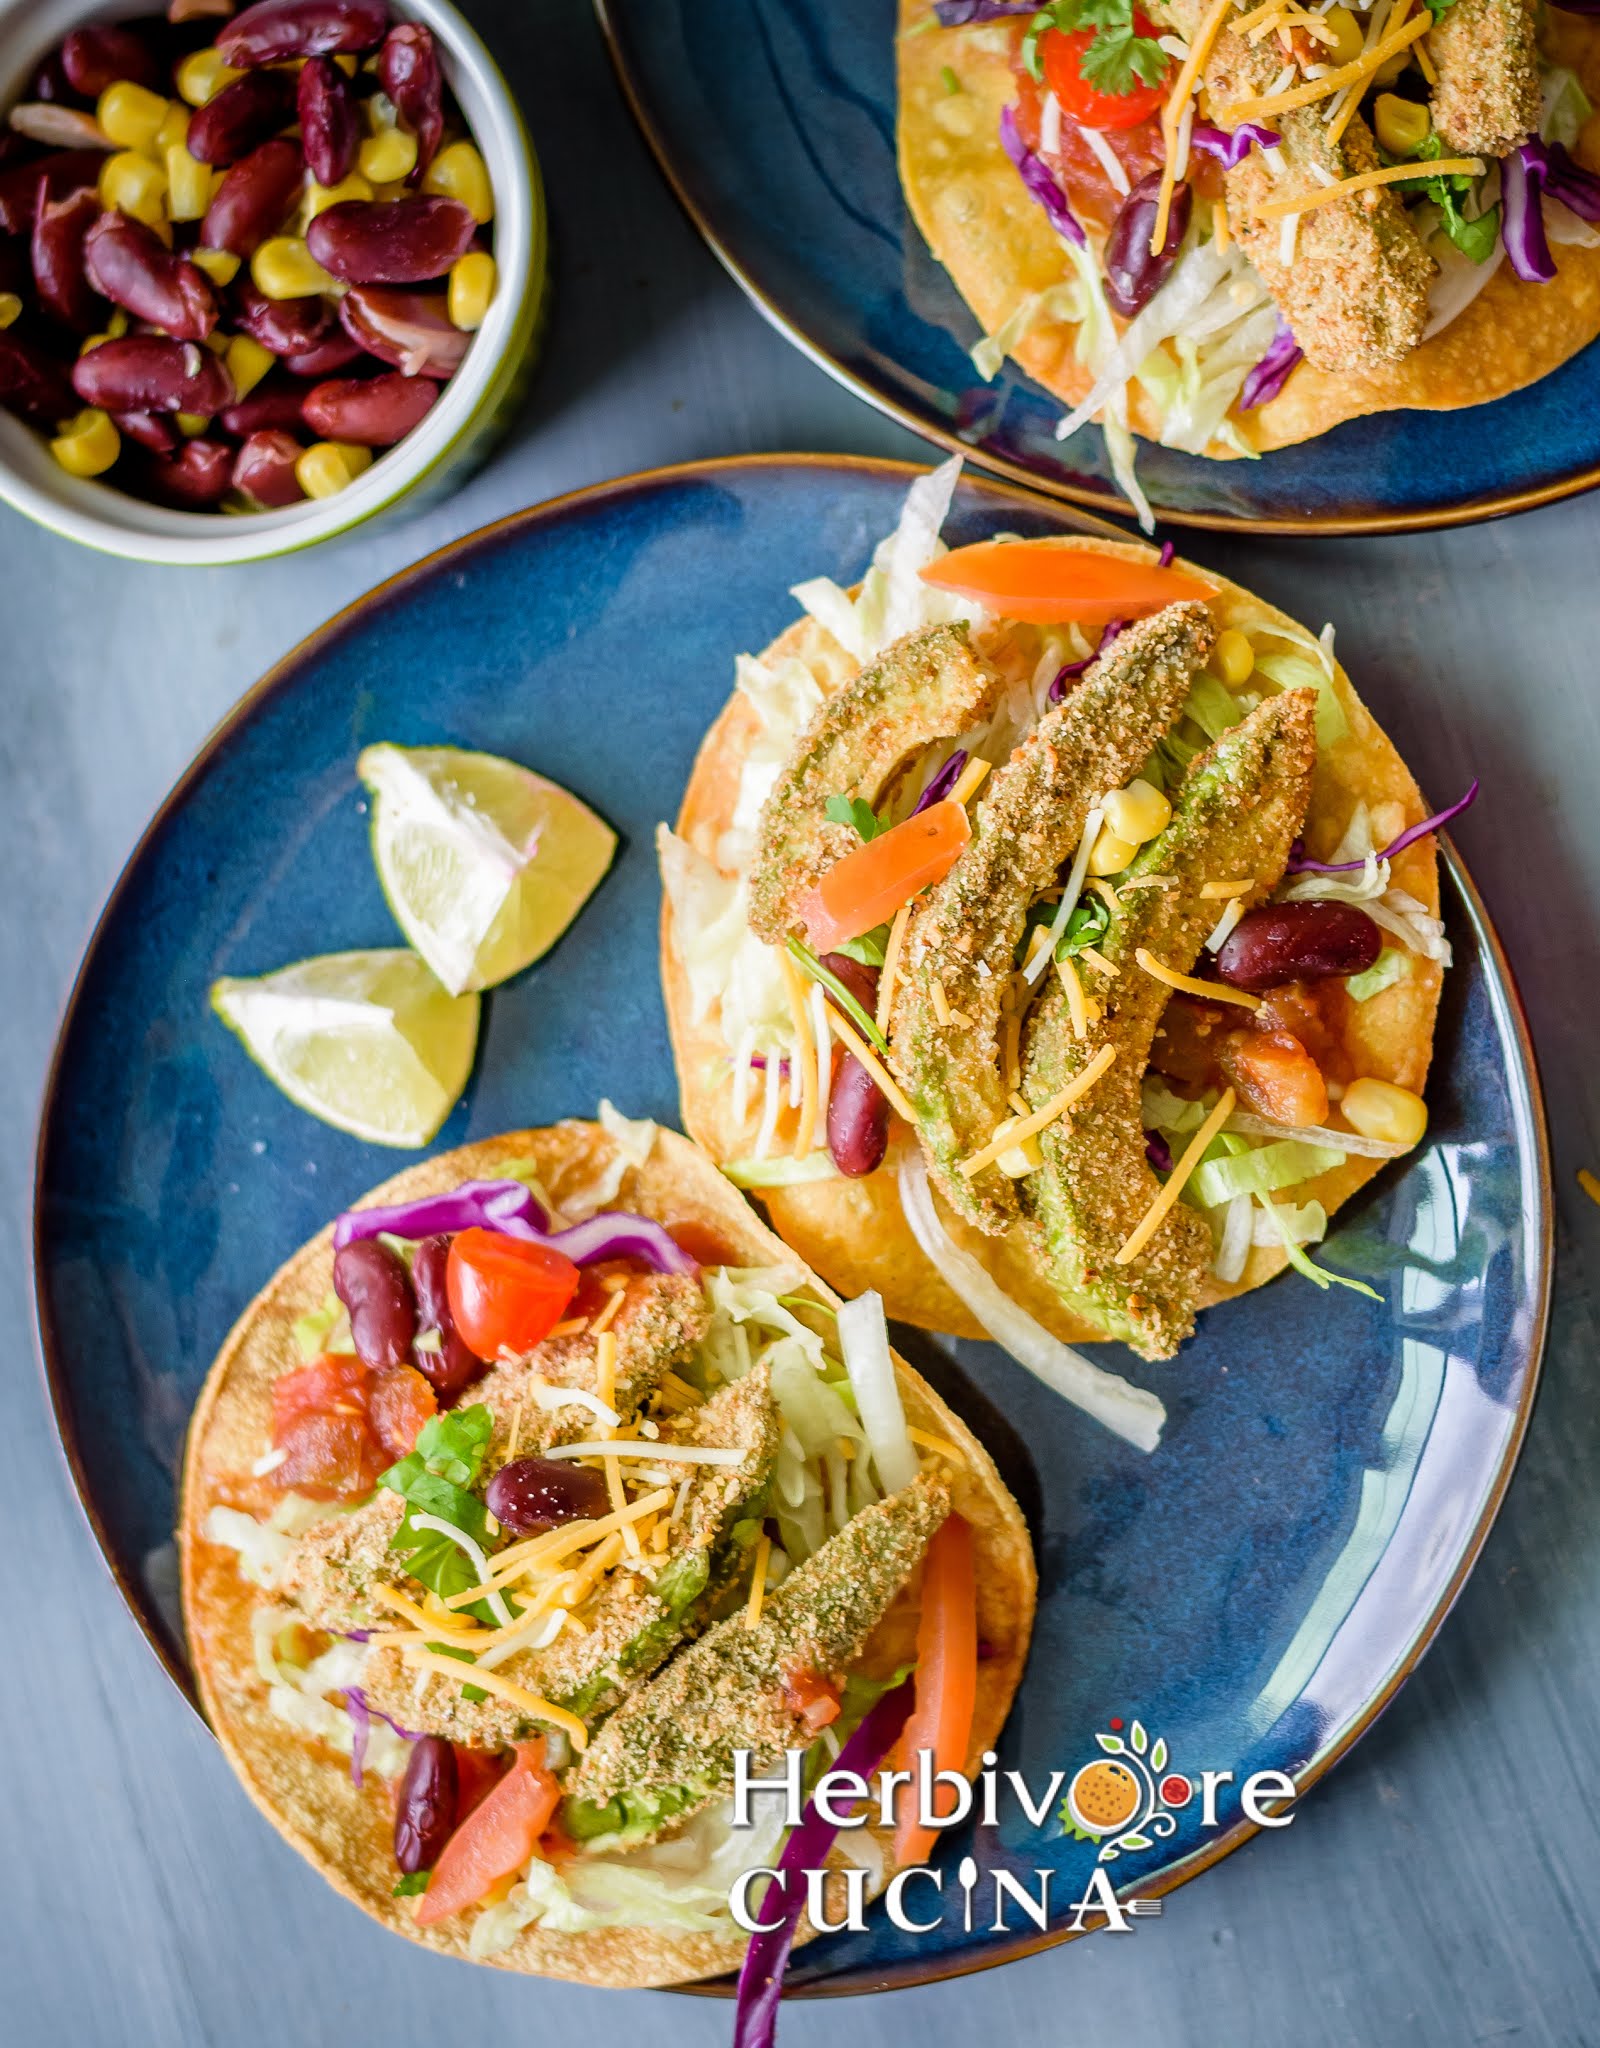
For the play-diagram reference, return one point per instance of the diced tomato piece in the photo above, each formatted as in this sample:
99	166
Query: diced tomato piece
1043	584
399	1402
478	1771
329	1456
498	1839
869	885
811	1696
506	1294
1276	1076
594	1292
1061	53
332	1384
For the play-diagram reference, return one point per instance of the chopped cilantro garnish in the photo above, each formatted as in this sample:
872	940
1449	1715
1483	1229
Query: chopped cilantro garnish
856	811
1087	926
1474	238
952	84
408	1887
1116	60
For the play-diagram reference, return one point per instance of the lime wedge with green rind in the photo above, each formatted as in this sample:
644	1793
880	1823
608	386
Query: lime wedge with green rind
368	1042
484	863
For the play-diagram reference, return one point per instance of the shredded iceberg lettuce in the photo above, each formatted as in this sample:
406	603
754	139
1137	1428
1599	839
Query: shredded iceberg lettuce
1390	966
1298	672
1257	1170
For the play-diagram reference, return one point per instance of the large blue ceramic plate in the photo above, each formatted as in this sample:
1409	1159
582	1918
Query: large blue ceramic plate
775	120
1253	1593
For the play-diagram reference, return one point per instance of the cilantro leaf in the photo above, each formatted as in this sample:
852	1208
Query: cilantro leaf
474	1695
1438	7
409	1886
1115	61
869	949
1087	926
1475	238
856	811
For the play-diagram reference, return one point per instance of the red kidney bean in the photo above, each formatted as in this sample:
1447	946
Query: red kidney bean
196	478
275	29
330	126
394	241
453	1366
134	268
408	71
58	127
254	198
410	331
531	1494
858	1119
374	412
1298	942
264	470
241	117
19	183
325	359
273	407
32	384
152	430
49	82
60	230
95	57
149	373
860	979
286	326
425	1808
374	1286
1133	274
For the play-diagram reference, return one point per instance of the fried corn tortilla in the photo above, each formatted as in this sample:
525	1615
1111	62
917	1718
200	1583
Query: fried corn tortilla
301	1784
854	1231
999	249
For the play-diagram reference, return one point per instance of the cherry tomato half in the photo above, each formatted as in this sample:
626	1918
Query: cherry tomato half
505	1293
1061	52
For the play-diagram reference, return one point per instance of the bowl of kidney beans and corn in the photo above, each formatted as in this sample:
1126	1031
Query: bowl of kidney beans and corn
242	254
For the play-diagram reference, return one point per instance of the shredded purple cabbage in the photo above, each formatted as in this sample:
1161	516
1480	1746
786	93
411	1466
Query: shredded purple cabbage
356	1635
945	781
1299	865
618	1234
1522	183
1164	559
755	2018
355	1705
1269	376
961	13
483	1204
1036	175
1158	1151
1566	180
1070	670
1230	147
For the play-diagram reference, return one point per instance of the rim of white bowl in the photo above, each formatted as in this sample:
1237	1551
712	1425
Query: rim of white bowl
113	521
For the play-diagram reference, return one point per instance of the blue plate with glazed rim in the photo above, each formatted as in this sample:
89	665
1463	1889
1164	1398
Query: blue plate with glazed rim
774	121
1251	1595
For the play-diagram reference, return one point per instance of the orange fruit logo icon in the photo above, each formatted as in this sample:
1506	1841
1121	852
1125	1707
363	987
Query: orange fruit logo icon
1104	1796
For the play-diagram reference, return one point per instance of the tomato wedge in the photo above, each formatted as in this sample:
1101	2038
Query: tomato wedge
505	1293
1043	584
947	1675
339	1424
498	1837
1062	52
872	881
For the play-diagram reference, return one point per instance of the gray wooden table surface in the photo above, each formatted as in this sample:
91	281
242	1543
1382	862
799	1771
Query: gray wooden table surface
1441	1888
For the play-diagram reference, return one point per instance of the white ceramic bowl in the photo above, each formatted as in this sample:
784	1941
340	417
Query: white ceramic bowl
472	408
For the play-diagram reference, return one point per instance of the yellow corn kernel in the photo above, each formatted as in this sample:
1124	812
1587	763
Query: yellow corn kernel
1378	1109
248	362
117	326
472	284
131	114
220	265
1233	658
284	268
1402	125
388	156
1017	1160
10	307
174	129
88	444
134	185
1348	37
1111	853
348	62
459	172
327	466
202	75
216	341
190	185
1137	813
320	197
192	423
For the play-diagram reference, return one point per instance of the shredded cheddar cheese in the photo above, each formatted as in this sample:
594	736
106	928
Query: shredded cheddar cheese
1077	1009
1219	226
874	1066
605	1368
805	1053
941	1003
1103	889
1213	991
460	1624
1214	892
968	780
601	1324
573	1327
1031	1126
940	1444
758	1581
515	1436
505	1689
1150	1222
1589	1184
1098	961
1172	114
891	966
1331	81
1366	181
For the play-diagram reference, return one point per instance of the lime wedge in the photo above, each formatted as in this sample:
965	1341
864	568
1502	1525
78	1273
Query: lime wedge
369	1042
484	863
